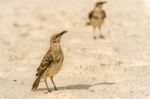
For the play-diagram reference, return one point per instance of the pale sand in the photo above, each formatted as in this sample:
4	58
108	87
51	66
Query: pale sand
117	67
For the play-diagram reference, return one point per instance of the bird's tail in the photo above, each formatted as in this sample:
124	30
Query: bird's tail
88	23
35	84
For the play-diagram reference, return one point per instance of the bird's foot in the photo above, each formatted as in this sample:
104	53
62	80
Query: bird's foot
49	90
55	88
101	36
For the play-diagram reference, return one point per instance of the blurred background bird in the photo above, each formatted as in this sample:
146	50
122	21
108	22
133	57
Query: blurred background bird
96	18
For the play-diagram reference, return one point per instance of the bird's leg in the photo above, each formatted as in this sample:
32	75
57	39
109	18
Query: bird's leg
53	83
94	37
101	36
47	86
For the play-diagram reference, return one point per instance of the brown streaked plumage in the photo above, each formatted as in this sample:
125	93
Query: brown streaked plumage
51	63
97	17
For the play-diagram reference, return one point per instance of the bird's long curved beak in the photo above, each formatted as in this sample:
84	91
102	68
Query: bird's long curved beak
61	33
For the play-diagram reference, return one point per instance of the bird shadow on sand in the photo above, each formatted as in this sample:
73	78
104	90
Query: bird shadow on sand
78	86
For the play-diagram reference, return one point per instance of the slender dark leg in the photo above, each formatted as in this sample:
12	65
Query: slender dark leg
53	83
100	36
47	86
94	36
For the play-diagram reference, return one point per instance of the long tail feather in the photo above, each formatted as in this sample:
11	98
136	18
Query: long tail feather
35	84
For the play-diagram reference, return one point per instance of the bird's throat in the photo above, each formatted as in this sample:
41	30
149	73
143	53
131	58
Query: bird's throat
56	47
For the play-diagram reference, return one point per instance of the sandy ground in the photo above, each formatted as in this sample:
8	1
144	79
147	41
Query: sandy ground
117	67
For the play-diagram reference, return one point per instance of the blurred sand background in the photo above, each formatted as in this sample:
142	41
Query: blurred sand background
117	67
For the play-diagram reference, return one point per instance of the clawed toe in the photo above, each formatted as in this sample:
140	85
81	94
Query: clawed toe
101	36
49	91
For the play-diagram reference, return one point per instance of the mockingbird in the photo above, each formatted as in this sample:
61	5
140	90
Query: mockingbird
51	63
97	17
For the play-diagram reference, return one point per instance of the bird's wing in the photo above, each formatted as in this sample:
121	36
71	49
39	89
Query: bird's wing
46	61
91	14
103	14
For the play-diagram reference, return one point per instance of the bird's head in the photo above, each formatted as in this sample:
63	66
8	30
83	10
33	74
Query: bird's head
99	4
55	38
